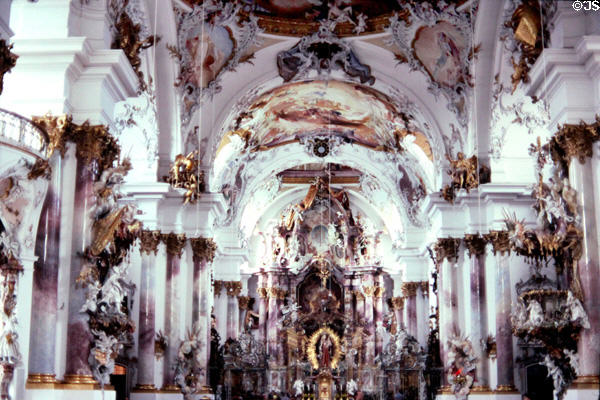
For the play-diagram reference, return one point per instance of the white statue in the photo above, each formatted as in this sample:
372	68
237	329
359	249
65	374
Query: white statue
351	387
536	314
577	312
298	387
518	317
573	360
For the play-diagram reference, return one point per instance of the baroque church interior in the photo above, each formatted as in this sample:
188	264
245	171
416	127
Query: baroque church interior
308	199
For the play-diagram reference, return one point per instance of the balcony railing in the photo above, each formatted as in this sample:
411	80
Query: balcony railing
19	132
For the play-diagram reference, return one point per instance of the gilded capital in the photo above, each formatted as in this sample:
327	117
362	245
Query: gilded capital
175	243
93	142
369	291
243	302
397	303
204	249
424	285
574	141
379	291
359	295
56	128
149	241
276	293
409	289
262	292
475	245
500	241
447	248
218	285
233	288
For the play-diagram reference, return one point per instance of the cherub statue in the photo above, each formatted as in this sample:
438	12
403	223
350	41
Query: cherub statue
298	387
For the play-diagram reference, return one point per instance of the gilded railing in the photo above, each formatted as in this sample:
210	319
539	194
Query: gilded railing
19	132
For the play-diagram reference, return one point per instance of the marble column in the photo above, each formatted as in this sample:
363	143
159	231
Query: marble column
45	283
379	292
476	246
409	292
204	250
149	242
369	292
398	308
585	180
272	339
175	244
79	337
504	338
446	251
233	289
262	309
348	309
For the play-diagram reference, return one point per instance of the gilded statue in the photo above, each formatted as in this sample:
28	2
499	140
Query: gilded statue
128	40
185	173
465	173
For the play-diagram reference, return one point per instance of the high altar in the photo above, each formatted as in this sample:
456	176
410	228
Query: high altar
332	334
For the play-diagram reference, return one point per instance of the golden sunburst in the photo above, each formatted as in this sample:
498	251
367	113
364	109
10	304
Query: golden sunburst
311	350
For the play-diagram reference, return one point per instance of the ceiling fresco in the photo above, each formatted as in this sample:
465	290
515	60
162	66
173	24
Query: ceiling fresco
212	38
438	42
356	113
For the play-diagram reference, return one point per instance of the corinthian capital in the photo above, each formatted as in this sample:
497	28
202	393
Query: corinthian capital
149	241
175	243
204	249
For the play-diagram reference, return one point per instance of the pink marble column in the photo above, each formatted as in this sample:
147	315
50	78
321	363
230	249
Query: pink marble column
504	338
379	291
369	292
204	250
585	179
272	339
446	251
45	283
262	309
409	291
476	246
175	244
79	337
233	289
149	242
398	307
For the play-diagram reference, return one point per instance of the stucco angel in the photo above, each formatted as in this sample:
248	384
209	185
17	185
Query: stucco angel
535	314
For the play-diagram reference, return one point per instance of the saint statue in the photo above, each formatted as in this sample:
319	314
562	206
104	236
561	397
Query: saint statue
325	349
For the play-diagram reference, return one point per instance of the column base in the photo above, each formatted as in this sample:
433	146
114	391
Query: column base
586	382
506	389
584	388
61	391
481	389
42	378
145	388
170	389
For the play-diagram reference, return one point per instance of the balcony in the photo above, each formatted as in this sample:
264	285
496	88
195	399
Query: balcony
19	133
